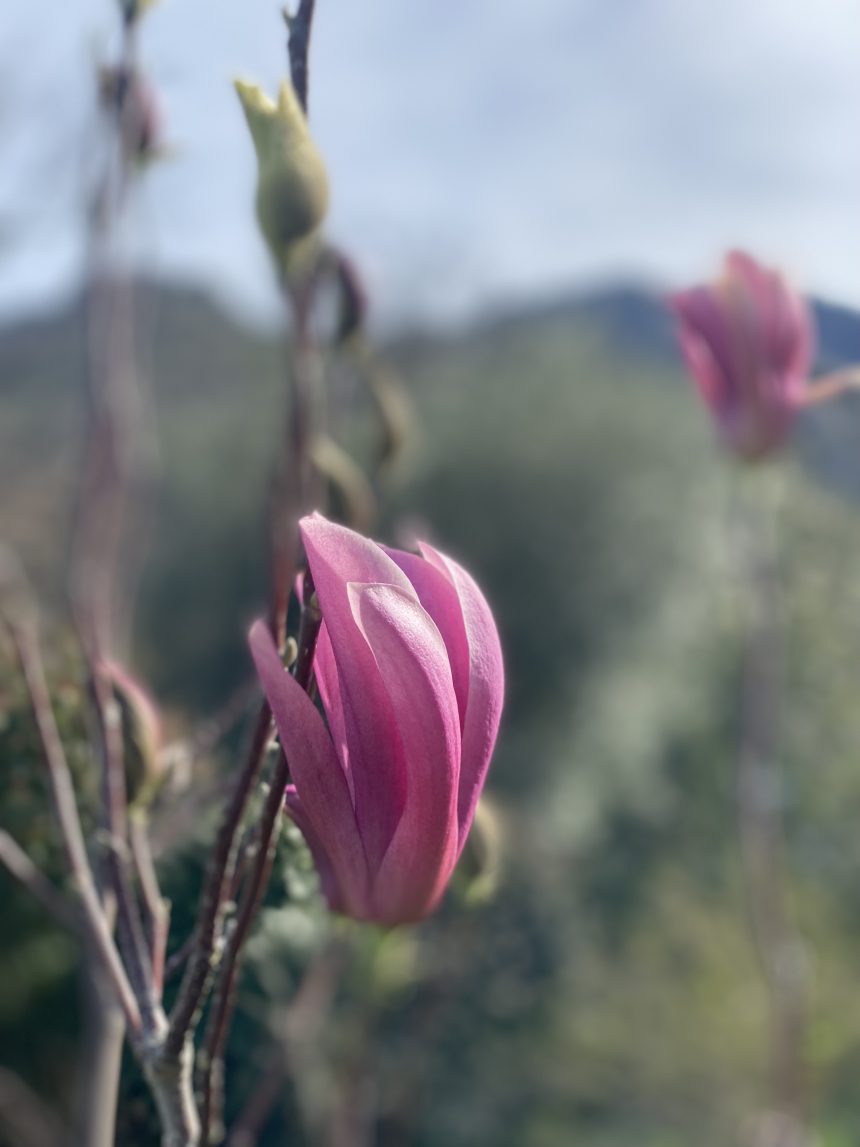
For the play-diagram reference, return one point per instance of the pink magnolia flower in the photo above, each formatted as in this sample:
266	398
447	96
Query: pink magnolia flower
410	675
748	340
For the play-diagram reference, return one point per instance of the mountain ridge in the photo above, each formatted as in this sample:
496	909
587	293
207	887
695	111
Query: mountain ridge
631	317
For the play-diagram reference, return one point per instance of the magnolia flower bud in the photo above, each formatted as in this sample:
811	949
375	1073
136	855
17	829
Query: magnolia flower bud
292	185
748	340
409	671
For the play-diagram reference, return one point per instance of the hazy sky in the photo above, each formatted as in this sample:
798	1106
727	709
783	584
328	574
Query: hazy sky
479	150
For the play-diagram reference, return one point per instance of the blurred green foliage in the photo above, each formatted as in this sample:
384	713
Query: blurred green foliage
607	993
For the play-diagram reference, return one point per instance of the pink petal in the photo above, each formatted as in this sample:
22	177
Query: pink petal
486	686
413	664
325	672
319	779
322	861
790	335
707	343
800	320
438	596
357	704
748	297
780	316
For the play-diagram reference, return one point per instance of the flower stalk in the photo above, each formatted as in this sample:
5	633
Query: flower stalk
779	945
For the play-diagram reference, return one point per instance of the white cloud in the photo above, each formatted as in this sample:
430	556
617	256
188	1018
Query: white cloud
475	148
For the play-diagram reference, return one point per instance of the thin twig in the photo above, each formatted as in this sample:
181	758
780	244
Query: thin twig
293	489
289	498
111	467
132	938
212	1055
261	868
157	908
174	964
831	386
199	966
100	1059
65	807
18	864
298	46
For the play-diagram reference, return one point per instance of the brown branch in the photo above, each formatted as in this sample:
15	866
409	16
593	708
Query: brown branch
157	908
298	46
131	935
65	807
293	490
18	864
174	964
290	495
223	1006
199	966
112	468
100	1061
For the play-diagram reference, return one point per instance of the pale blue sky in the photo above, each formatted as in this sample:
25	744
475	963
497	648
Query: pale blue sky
480	151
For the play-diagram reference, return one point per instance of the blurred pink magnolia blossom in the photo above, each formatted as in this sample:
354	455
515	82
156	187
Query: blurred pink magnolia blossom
410	675
748	340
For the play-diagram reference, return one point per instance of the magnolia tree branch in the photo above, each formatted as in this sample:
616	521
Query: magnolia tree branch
225	995
292	493
120	991
25	644
115	466
294	490
298	47
132	937
209	919
254	890
100	1063
112	469
18	864
157	909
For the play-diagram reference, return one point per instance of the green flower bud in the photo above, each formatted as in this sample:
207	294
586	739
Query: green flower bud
292	186
480	866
